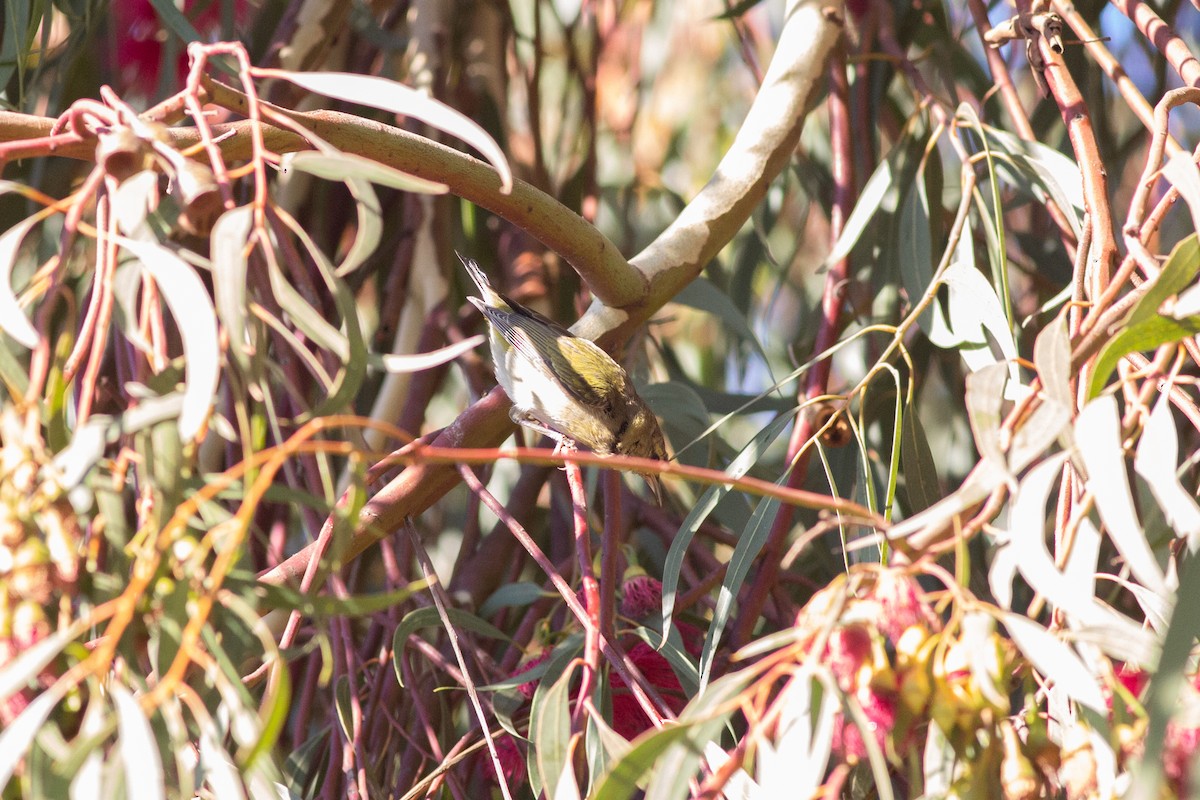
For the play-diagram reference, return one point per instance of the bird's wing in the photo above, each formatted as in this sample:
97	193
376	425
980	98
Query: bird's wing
569	358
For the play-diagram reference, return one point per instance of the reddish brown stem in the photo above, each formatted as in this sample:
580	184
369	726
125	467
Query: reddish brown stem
817	382
1078	121
591	592
1164	37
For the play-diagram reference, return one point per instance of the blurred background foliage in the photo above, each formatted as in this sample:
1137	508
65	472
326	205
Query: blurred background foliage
144	642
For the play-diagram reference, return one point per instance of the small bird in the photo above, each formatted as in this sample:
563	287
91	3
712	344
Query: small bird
563	385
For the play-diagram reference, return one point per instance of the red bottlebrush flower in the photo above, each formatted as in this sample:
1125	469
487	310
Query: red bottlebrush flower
529	687
629	719
1133	679
901	605
511	755
640	596
848	649
1179	752
140	36
880	711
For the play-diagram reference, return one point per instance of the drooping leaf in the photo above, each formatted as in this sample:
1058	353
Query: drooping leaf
428	617
920	470
1157	461
797	763
1098	437
188	300
229	257
1144	328
138	750
745	553
12	317
708	501
387	95
550	737
1184	175
1055	659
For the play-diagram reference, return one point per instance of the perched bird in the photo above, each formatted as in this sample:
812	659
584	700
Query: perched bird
563	385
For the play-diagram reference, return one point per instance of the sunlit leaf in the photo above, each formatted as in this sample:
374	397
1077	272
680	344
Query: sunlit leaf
1184	175
381	93
1056	661
1052	356
985	398
1098	437
804	739
17	737
188	300
139	752
421	361
12	318
133	202
974	321
1157	460
337	166
219	770
229	239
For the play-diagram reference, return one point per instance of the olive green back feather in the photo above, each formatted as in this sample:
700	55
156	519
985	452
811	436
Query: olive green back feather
560	353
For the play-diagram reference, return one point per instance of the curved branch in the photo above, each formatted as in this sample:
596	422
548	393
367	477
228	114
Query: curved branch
759	152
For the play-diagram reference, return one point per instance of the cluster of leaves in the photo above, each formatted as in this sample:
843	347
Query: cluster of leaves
930	525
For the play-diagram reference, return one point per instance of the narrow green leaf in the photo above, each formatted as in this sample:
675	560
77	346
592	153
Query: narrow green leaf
882	181
920	470
1144	328
344	707
510	595
428	617
746	459
176	21
550	735
749	545
622	781
703	295
916	257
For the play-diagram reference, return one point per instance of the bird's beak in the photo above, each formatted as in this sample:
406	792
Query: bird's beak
655	487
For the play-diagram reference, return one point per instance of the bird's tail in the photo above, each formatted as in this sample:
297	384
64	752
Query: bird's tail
480	278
